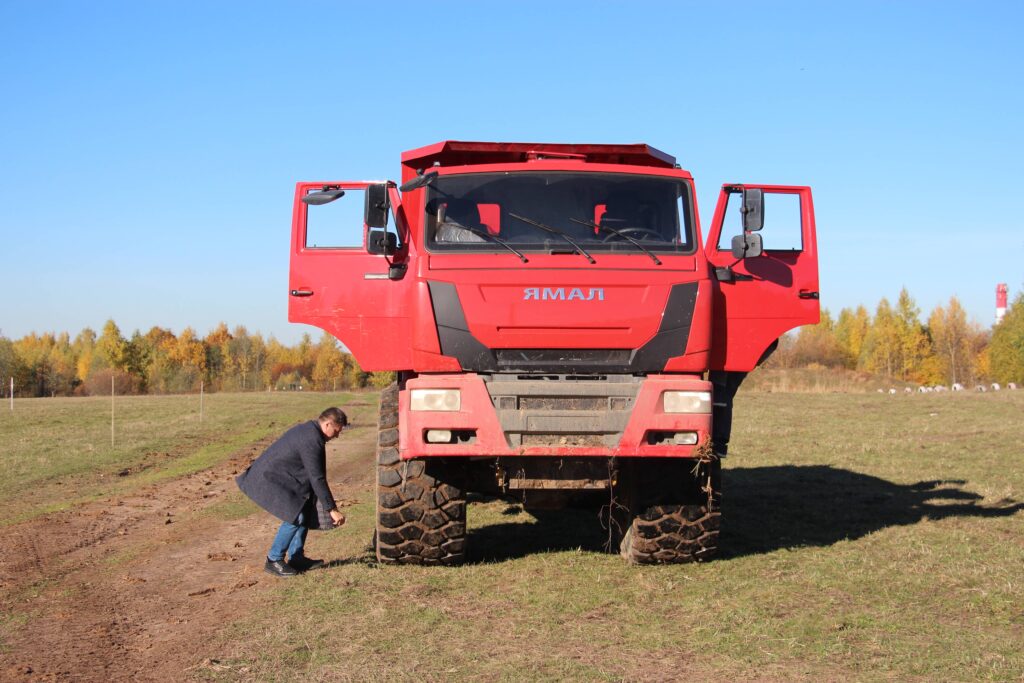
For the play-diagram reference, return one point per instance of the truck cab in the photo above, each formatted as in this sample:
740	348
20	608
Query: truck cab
555	320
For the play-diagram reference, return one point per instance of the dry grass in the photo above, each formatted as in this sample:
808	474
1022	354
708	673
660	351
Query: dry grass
59	449
866	537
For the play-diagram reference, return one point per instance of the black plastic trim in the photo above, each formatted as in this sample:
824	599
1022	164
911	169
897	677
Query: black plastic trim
458	342
453	332
674	332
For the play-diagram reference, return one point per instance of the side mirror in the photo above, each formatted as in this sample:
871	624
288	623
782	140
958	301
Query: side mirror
753	209
382	242
324	196
418	181
375	214
747	245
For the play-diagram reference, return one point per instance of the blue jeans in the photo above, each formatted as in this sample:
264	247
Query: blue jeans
290	538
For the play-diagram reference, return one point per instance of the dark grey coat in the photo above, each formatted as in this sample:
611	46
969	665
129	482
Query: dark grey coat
291	477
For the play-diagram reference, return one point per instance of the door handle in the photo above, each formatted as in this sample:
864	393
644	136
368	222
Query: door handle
302	292
807	294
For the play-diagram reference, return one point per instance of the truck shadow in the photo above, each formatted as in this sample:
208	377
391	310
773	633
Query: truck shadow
773	508
764	509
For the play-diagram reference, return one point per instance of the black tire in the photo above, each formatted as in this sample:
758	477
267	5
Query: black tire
421	505
672	512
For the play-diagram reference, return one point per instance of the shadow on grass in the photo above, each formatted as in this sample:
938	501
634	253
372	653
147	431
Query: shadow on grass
552	531
764	509
770	508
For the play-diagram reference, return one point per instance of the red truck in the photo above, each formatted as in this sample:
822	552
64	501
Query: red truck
558	328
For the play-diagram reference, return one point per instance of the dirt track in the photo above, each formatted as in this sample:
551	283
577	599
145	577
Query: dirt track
132	588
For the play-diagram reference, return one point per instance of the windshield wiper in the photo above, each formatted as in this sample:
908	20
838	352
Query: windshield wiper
495	238
621	234
554	231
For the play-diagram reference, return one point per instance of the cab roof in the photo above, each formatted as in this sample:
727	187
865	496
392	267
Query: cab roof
461	153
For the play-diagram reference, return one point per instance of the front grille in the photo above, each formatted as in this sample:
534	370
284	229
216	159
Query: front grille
558	413
596	440
564	360
563	403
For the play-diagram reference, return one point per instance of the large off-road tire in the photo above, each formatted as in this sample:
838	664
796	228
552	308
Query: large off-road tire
421	505
672	512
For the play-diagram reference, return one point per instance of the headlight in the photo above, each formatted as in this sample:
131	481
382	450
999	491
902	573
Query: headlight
687	401
435	399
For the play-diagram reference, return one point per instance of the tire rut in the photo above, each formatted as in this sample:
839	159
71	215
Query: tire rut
128	588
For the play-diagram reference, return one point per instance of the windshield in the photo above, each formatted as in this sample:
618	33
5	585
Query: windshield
551	211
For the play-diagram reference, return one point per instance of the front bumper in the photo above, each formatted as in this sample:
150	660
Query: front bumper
554	418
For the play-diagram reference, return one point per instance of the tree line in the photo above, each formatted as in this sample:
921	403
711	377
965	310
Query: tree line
160	362
945	348
894	342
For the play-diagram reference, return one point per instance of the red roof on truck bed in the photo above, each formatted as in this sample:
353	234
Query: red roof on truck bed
458	153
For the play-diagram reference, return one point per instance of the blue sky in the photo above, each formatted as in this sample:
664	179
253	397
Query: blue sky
148	151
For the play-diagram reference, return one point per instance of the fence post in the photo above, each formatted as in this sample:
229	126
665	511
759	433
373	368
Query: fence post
200	400
111	410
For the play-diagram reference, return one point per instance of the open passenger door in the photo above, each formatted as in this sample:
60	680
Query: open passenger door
348	253
765	280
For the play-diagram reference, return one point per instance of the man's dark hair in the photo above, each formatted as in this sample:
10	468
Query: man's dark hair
334	415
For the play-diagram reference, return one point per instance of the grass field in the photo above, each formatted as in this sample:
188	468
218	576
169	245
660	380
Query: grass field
865	537
60	449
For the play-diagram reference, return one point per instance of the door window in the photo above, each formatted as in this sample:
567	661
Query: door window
782	226
337	225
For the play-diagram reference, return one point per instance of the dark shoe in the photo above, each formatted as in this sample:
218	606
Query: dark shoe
304	564
279	568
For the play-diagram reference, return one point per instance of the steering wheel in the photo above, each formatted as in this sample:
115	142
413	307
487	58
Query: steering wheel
636	233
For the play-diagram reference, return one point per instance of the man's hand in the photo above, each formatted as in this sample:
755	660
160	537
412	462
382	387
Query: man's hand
337	517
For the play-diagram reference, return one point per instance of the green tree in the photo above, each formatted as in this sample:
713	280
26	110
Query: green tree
218	356
138	356
10	366
1006	349
913	342
355	378
160	370
260	364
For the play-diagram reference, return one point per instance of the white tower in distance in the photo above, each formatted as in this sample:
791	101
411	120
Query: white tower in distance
1000	302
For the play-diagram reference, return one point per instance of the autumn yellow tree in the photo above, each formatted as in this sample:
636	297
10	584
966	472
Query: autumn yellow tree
34	351
952	335
882	343
851	329
110	347
187	357
244	360
815	344
83	348
329	369
913	341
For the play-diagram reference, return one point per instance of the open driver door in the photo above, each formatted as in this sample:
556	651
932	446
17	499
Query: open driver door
349	251
763	251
